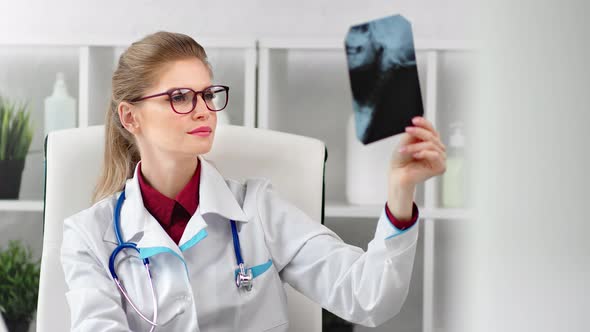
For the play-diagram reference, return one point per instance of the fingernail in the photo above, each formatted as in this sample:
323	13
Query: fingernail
416	120
403	149
409	128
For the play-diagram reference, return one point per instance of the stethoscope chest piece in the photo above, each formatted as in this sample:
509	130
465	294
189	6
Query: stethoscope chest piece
244	279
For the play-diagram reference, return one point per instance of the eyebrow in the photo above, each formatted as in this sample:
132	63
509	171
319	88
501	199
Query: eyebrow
188	86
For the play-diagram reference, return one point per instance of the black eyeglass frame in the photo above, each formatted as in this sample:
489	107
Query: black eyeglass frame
194	101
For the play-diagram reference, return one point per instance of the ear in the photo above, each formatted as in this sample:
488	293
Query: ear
128	117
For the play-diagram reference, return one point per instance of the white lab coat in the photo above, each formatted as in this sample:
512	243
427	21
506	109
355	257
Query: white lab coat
194	281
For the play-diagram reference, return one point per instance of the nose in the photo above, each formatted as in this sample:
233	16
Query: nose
201	111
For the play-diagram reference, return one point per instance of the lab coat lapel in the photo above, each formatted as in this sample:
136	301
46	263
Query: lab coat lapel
214	197
139	226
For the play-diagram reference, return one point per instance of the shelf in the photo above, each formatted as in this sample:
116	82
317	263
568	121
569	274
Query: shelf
447	213
333	210
21	205
110	42
330	44
344	210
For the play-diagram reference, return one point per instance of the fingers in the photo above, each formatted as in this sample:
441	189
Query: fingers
434	157
426	135
420	146
423	122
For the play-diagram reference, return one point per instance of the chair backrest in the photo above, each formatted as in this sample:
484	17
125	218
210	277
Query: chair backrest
73	158
2	325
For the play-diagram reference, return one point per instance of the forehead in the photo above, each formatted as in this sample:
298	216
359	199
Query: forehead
186	73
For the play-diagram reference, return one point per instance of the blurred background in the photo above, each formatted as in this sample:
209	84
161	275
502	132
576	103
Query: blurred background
502	82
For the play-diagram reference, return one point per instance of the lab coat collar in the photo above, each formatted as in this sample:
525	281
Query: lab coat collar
138	225
215	196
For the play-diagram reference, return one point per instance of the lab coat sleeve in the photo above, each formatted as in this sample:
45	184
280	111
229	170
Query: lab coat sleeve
93	298
366	288
402	224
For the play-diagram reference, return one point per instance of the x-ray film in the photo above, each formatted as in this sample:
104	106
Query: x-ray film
383	77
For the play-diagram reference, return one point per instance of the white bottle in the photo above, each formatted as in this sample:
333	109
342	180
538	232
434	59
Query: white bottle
454	178
60	108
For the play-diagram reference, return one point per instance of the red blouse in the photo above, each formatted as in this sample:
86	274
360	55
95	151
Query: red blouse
174	214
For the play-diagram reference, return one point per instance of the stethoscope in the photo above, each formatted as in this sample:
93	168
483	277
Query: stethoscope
243	276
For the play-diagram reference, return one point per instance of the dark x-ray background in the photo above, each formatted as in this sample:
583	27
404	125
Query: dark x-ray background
383	77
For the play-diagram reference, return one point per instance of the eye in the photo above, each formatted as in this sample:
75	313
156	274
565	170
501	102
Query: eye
208	95
180	96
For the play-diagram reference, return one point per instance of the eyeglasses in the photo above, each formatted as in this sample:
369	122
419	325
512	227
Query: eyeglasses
184	100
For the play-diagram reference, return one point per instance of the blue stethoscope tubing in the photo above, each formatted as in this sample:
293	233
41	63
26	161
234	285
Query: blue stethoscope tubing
243	277
146	262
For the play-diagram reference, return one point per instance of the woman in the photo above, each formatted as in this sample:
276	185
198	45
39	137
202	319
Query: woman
167	200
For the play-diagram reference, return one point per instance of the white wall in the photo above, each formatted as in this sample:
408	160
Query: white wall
531	267
130	19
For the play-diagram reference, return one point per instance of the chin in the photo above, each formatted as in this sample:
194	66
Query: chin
201	150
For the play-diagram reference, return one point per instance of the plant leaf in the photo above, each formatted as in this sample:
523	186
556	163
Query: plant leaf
16	130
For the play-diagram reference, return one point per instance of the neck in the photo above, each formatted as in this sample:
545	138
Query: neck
168	177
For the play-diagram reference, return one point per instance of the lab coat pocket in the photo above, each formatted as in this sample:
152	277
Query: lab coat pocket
168	315
172	299
175	308
264	307
280	327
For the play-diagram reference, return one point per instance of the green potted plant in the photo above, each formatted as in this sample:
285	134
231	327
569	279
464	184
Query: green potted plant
19	286
16	134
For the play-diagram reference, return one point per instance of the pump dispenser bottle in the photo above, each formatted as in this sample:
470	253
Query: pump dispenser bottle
60	108
454	178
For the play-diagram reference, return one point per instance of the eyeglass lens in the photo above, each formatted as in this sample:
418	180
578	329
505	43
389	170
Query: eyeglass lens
184	101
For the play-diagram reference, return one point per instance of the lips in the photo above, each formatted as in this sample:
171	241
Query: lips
203	129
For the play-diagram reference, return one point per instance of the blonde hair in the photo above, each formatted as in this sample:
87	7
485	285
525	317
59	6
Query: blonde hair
138	69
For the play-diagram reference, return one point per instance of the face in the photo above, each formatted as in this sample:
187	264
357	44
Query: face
161	132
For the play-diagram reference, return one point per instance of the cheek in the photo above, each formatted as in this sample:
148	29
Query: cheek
163	127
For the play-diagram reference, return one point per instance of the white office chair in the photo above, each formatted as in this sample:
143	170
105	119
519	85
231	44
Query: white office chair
73	158
2	325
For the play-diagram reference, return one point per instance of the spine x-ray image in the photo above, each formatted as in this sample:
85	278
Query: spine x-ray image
383	77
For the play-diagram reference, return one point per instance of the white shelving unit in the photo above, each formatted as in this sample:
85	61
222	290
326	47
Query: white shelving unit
343	210
21	205
95	61
267	91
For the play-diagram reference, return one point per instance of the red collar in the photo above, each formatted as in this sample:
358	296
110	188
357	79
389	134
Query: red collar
162	207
